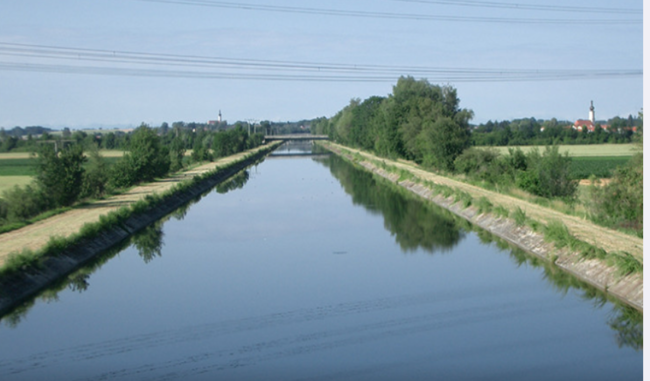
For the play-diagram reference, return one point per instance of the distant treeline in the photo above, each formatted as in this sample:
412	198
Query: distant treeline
25	139
530	131
73	170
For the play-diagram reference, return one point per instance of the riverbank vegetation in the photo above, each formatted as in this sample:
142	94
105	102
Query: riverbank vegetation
33	260
408	218
66	173
549	225
424	123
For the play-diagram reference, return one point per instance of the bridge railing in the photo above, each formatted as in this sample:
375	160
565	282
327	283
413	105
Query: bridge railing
295	137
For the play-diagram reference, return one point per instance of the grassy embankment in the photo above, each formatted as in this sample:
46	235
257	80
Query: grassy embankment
596	162
618	249
25	247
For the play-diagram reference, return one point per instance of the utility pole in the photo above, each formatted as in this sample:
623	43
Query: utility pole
249	121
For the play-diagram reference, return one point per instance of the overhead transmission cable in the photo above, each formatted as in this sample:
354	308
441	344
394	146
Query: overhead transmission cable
533	7
385	15
164	65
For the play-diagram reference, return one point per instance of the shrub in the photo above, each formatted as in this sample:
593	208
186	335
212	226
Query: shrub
548	175
478	163
620	203
23	203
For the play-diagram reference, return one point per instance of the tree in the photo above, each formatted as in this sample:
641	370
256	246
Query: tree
176	153
61	175
164	128
145	160
109	141
96	175
432	127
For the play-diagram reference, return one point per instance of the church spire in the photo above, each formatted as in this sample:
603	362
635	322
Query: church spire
592	113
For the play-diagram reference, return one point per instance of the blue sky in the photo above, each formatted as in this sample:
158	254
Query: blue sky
117	90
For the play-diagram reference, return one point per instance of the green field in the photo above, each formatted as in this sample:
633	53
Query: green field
8	182
585	166
599	160
17	167
588	150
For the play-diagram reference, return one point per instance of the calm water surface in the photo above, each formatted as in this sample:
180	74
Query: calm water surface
309	269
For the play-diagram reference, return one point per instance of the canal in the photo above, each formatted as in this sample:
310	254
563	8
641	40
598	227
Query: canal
308	268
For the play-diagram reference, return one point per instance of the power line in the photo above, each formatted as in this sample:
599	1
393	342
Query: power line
149	64
535	7
452	78
386	15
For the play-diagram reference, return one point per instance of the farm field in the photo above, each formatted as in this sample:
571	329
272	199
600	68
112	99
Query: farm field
599	160
8	182
600	166
25	167
17	168
588	150
27	155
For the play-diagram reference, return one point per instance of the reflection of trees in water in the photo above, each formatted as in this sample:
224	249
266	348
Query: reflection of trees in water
626	321
414	223
77	281
149	242
628	324
236	182
418	224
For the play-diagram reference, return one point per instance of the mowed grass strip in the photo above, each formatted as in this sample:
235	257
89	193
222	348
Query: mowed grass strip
586	150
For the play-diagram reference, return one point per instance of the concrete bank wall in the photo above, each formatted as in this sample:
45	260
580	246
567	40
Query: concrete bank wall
17	288
628	289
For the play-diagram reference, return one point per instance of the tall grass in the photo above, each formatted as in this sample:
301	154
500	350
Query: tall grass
519	216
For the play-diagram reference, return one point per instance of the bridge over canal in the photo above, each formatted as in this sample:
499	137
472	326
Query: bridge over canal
269	138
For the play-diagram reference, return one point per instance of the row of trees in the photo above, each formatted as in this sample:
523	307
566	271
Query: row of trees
26	139
418	121
78	171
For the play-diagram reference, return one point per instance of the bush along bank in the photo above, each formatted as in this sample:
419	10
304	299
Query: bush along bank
617	273
26	273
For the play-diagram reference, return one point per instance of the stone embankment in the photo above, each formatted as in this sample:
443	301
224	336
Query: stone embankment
18	287
628	289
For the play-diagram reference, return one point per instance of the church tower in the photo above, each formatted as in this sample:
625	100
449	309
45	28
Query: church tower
592	114
219	119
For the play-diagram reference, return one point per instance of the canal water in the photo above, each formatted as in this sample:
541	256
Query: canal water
308	268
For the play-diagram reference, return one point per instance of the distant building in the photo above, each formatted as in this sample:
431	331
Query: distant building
588	124
215	122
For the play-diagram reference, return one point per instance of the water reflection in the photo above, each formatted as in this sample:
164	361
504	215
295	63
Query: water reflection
626	322
418	224
77	281
414	223
301	148
236	182
149	242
